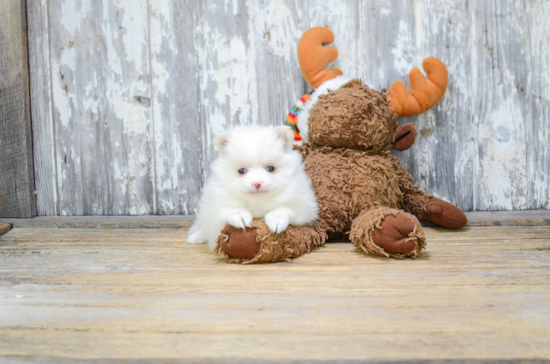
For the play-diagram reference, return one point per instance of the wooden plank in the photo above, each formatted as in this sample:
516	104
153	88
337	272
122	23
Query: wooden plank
104	222
276	28
508	218
475	218
101	92
500	75
441	160
17	197
42	107
227	58
539	93
178	131
388	42
145	295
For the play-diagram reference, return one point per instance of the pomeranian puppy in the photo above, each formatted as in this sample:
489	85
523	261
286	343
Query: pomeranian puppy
257	174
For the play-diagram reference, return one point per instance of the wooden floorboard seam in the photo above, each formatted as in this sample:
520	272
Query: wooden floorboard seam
475	218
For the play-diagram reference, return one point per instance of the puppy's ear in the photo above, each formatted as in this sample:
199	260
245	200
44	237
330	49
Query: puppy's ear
221	140
285	134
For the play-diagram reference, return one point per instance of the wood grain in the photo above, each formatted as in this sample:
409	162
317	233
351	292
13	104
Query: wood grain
500	69
128	130
539	101
98	75
108	222
443	156
43	122
478	294
176	103
475	218
17	197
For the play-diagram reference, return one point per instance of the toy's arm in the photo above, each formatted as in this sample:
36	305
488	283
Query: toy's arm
257	244
427	207
414	199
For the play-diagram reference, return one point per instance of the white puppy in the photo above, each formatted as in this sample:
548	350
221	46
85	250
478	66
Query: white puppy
257	175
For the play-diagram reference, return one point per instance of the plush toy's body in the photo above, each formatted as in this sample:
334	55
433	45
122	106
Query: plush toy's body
363	193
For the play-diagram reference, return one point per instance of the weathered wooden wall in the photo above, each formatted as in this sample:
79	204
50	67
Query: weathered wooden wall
127	94
17	198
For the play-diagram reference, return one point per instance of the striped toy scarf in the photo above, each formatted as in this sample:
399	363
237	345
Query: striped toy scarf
292	118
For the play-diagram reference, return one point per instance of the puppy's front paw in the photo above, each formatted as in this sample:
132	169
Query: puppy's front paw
276	223
240	220
195	238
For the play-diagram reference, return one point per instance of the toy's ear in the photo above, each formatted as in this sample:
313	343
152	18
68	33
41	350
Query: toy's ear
404	137
313	57
221	140
285	134
425	91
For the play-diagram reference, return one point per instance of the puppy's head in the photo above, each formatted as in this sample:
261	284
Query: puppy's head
257	161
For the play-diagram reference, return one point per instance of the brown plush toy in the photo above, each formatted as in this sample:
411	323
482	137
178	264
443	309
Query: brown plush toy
362	190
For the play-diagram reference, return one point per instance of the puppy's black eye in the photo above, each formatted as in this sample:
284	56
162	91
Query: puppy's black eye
270	169
242	171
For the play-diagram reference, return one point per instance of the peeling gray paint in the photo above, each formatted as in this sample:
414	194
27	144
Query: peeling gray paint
129	94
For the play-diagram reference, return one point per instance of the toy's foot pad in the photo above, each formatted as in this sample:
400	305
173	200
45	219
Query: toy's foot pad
393	236
445	214
239	243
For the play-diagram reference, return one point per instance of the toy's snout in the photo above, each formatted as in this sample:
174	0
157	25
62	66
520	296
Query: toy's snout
404	137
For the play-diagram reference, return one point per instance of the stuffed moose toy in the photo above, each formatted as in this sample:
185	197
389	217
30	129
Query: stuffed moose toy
363	192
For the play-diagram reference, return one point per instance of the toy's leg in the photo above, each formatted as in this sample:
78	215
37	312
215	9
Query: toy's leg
444	214
257	244
388	232
430	208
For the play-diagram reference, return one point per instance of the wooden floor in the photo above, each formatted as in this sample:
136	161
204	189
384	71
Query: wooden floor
65	294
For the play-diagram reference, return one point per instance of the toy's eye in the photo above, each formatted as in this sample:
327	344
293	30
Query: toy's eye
270	169
242	171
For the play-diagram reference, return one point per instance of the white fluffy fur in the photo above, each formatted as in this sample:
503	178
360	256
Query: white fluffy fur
285	196
332	84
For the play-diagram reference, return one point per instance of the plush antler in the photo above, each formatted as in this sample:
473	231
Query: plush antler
425	92
313	57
